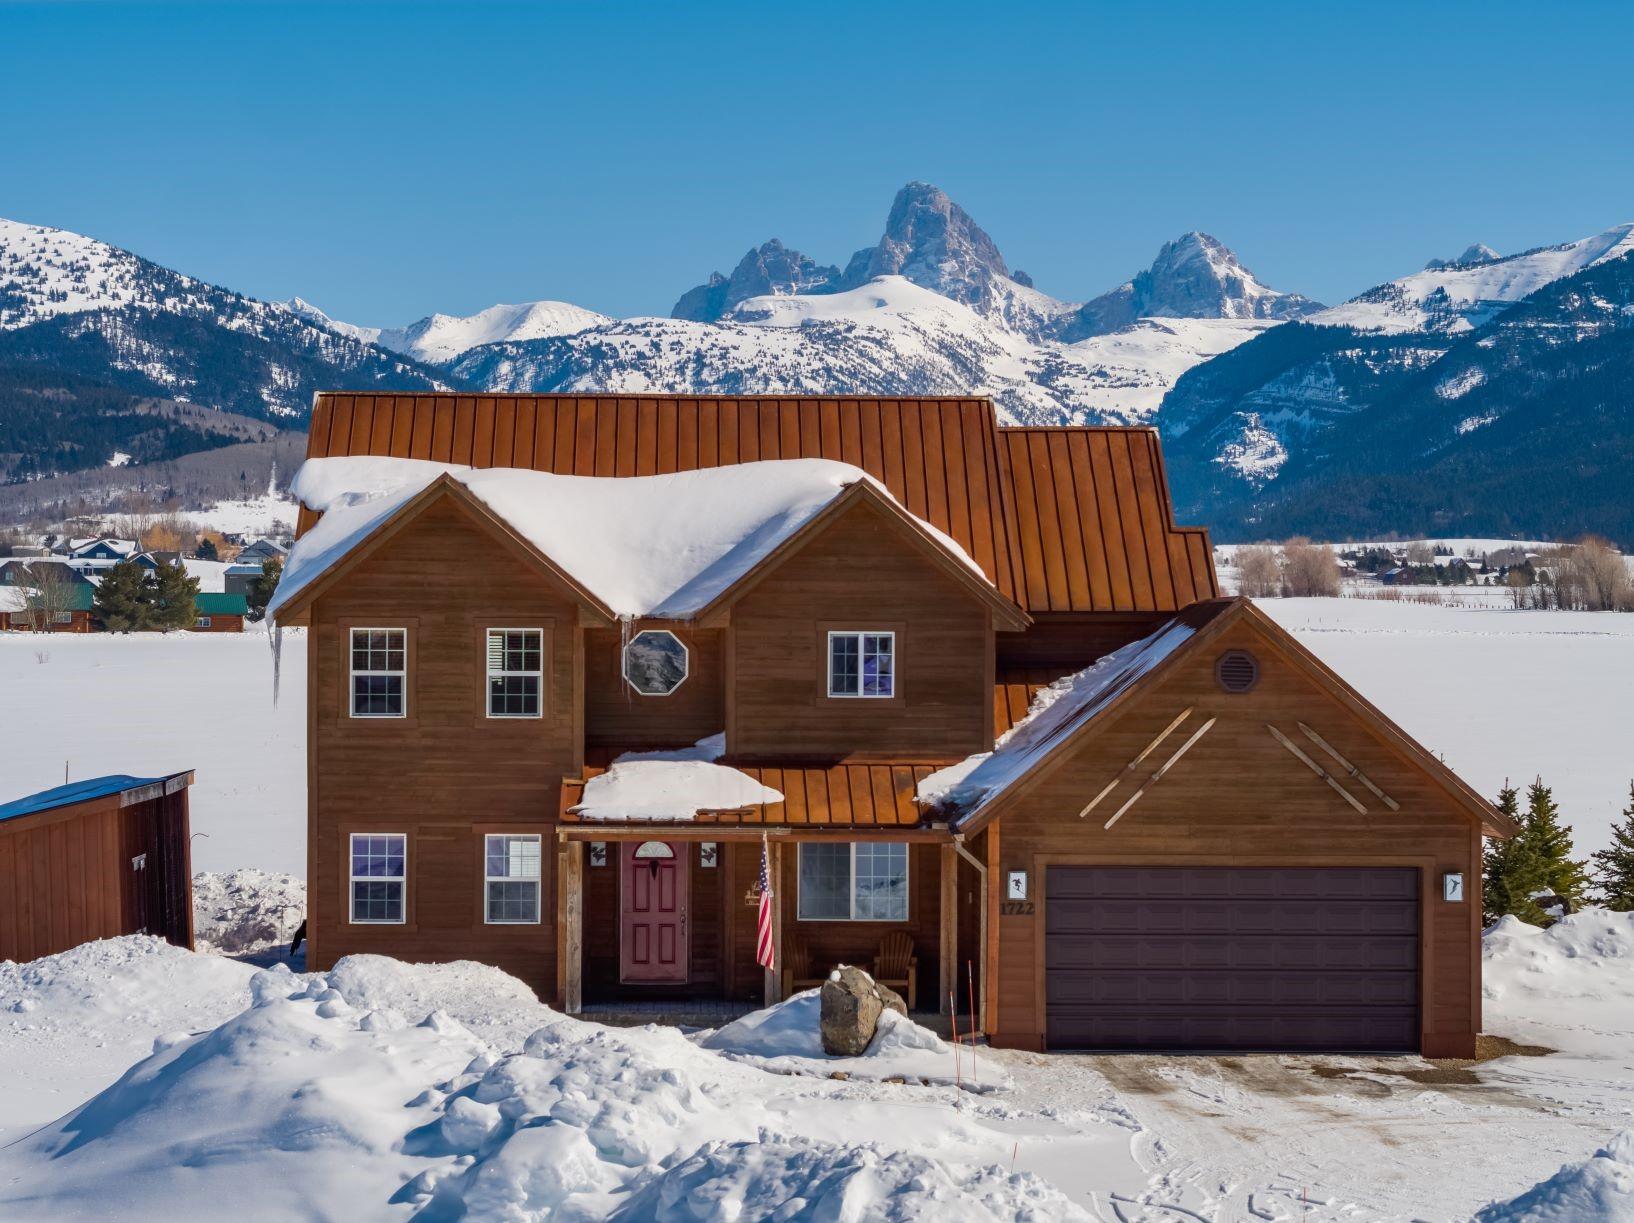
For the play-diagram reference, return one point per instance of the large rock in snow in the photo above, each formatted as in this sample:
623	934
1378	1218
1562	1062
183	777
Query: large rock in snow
851	1005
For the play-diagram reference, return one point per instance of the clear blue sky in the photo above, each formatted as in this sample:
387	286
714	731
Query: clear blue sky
386	160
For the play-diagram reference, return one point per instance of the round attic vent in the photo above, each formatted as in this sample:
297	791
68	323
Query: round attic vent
1237	671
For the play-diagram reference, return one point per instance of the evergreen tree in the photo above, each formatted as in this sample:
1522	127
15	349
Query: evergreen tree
261	588
122	601
1614	867
206	551
1510	870
1552	842
171	595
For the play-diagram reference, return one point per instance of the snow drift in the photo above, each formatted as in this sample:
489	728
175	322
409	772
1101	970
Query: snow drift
1600	1188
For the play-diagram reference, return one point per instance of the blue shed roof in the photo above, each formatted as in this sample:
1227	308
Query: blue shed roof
75	792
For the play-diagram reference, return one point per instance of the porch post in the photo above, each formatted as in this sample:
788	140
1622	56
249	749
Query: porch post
774	976
947	953
572	917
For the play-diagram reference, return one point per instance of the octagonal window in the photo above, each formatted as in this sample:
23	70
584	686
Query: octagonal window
655	662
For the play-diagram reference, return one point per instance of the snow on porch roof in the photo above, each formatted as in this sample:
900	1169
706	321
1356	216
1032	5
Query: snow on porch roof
646	546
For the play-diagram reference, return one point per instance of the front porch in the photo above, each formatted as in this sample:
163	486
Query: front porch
657	924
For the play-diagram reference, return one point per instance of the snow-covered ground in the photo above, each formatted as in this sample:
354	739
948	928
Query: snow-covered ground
150	703
145	1082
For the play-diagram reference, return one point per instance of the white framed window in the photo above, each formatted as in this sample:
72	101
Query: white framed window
202	622
379	672
516	662
862	664
511	873
379	878
853	881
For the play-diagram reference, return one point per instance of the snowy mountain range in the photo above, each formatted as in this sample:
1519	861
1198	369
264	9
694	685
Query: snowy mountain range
1250	385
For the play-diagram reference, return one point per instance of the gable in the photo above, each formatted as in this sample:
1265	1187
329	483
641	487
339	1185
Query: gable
1002	494
1299	735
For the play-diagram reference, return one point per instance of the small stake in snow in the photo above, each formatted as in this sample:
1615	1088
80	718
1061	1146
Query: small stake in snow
975	1066
953	1017
1014	1151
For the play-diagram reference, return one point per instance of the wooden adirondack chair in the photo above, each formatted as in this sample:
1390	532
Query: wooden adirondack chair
896	965
798	973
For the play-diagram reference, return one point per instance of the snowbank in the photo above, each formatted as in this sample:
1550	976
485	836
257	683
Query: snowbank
1601	1188
246	910
661	546
785	1039
319	1101
1570	987
72	1023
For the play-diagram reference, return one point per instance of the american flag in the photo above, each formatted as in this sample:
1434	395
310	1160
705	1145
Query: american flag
765	953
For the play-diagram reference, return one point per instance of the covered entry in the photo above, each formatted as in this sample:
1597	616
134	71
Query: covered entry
1232	958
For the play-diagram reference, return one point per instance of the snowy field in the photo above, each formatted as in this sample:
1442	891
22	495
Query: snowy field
148	704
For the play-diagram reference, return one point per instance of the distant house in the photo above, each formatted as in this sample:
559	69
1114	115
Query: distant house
237	578
219	613
28	572
95	859
103	549
72	616
261	550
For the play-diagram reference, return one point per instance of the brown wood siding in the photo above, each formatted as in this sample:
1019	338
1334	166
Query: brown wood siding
445	774
221	622
66	875
1067	519
1238	798
858	574
616	716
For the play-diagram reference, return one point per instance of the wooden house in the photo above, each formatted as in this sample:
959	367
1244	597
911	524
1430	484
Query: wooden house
95	859
575	675
69	609
216	612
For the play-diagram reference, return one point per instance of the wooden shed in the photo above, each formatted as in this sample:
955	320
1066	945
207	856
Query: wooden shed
95	859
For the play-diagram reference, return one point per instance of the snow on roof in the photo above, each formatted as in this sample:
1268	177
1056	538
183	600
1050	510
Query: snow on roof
1055	712
673	785
662	546
15	598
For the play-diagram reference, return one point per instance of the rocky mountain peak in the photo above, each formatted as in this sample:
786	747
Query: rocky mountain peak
938	245
770	268
1194	276
1478	252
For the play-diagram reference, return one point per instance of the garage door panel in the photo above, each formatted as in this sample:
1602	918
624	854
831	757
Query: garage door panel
1183	915
1232	958
1249	1031
1112	952
1245	989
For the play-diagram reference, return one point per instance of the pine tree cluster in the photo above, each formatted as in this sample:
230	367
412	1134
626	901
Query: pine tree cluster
1538	862
130	600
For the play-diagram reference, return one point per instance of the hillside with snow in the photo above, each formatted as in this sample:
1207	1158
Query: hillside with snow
439	338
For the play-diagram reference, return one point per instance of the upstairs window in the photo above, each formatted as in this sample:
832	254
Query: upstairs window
853	881
511	878
861	664
379	672
656	662
515	672
379	878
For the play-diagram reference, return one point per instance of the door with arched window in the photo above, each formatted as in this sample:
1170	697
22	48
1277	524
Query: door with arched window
652	943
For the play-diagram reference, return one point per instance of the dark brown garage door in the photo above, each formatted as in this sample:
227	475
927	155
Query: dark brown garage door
1232	958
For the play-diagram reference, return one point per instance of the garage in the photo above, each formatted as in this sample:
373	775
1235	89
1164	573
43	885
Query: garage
1232	958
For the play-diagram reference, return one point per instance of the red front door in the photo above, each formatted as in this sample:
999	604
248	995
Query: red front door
652	943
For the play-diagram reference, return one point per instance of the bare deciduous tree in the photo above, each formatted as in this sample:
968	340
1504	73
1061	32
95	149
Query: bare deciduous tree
1420	553
1259	571
48	597
1309	570
1594	576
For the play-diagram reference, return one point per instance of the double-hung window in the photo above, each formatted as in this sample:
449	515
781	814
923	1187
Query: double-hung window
379	672
861	664
379	877
515	672
511	878
853	881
